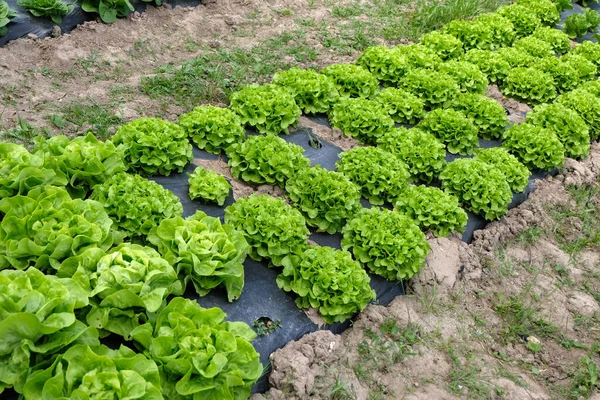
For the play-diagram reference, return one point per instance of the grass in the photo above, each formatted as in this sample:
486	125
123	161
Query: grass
24	133
466	375
88	116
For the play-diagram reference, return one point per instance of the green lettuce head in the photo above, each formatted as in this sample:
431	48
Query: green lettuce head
328	280
37	319
362	119
153	146
199	355
313	92
272	227
46	227
212	128
203	251
97	372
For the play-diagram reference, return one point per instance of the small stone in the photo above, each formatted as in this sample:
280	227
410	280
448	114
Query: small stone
533	339
32	36
56	31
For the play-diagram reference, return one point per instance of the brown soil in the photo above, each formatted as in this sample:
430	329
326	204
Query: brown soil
463	350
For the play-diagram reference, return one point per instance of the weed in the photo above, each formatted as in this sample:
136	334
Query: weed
432	15
584	379
467	376
265	326
530	235
90	116
24	133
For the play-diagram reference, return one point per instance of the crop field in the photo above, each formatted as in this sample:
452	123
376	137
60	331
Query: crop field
304	199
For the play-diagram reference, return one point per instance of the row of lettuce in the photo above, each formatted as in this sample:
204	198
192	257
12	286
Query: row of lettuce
90	247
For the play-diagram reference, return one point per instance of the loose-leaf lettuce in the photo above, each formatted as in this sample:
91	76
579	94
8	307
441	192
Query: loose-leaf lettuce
546	11
108	10
501	30
480	187
534	146
384	63
266	159
97	372
472	34
84	160
124	285
212	128
204	252
388	243
564	74
525	19
491	63
37	319
153	146
365	120
271	227
434	88
136	204
589	50
380	175
446	46
352	80
325	198
423	154
570	128
586	70
529	85
517	174
468	76
54	9
313	92
453	128
515	57
534	47
270	109
403	107
21	171
487	114
558	40
432	209
6	14
418	56
328	280
46	227
586	105
199	355
208	186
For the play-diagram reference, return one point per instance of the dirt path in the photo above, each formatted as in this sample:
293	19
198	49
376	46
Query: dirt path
512	316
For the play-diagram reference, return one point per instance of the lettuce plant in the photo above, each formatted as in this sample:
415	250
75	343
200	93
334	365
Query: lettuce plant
213	128
153	146
203	251
313	92
433	87
21	171
469	77
586	70
270	109
384	63
432	209
108	10
491	63
47	227
534	47
546	10
272	228
266	159
472	34
37	319
403	107
418	56
124	284
529	85
6	14
365	120
570	128
592	87
534	146
380	175
453	128
488	116
565	76
587	106
447	47
588	50
53	9
576	25
198	353
562	5
352	80
208	186
592	17
136	204
517	174
501	30
524	19
423	154
84	160
328	280
98	372
558	40
325	198
480	187
388	243
516	57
